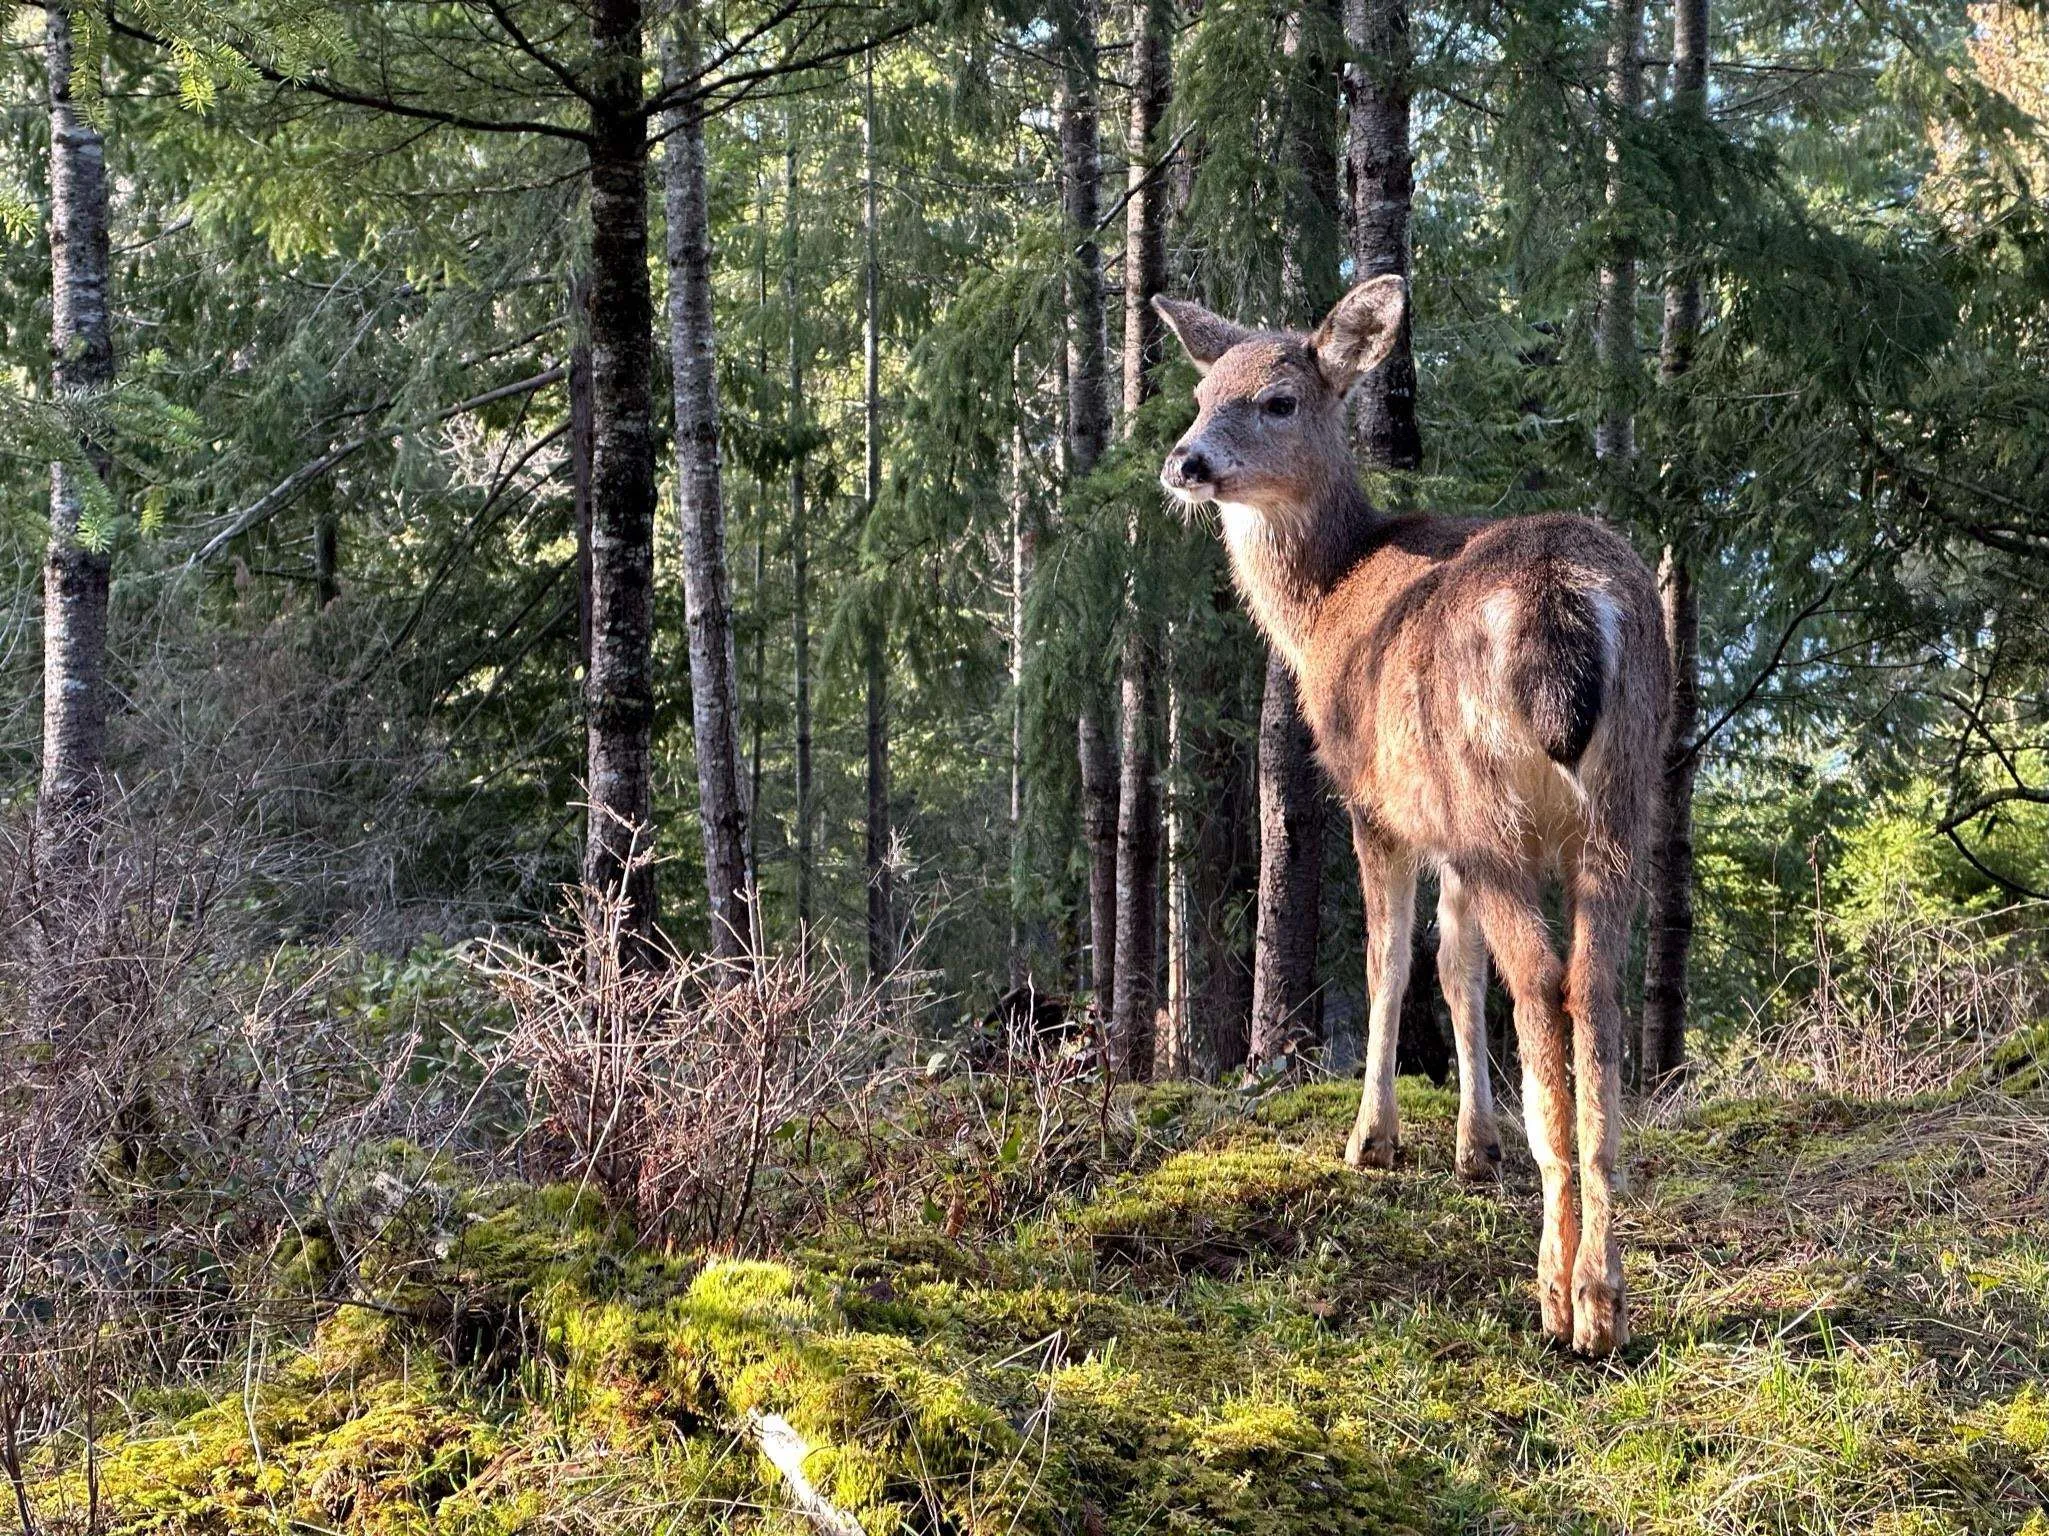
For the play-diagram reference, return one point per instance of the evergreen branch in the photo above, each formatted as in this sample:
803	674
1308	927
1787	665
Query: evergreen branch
539	55
287	490
2005	882
1764	673
1151	175
662	100
748	78
330	91
1969	812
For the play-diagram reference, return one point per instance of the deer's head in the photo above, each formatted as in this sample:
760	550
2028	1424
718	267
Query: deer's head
1270	433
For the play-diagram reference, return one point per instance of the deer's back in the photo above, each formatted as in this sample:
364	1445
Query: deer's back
1473	680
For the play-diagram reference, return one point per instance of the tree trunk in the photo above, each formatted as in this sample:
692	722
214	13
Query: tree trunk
800	551
579	384
1134	1000
1615	333
1380	186
1088	399
1099	829
1138	854
1291	814
1662	1050
881	898
1224	862
1178	1055
714	671
1145	209
1662	1044
1023	549
75	578
1291	807
619	687
1086	433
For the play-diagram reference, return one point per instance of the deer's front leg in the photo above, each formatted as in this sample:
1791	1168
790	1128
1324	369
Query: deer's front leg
1387	879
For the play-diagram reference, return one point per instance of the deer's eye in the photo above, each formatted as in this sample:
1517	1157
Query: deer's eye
1280	407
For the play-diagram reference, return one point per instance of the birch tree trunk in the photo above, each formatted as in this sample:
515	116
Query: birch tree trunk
1023	550
1099	829
881	898
1134	1003
619	686
800	551
1662	1043
1380	187
1291	805
75	578
714	672
1615	333
1178	1056
1138	855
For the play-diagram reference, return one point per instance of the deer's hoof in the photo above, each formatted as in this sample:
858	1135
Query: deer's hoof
1480	1164
1370	1151
1600	1319
1554	1300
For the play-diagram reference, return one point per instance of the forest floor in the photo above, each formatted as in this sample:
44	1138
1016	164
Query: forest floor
1841	1319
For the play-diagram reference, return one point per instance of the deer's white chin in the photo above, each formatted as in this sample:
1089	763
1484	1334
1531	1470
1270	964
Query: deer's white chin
1242	522
1189	495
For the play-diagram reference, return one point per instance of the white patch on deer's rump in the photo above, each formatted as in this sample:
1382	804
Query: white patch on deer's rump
1497	612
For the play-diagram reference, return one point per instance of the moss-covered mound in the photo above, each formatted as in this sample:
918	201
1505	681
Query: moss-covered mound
1843	1324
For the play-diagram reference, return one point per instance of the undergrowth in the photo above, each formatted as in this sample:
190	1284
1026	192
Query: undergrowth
1842	1326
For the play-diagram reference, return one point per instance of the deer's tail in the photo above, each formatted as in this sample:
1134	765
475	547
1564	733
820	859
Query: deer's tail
1564	667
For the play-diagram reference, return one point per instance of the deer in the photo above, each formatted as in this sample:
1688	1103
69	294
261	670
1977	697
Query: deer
1488	698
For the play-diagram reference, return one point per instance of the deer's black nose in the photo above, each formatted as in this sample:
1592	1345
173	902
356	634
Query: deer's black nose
1194	469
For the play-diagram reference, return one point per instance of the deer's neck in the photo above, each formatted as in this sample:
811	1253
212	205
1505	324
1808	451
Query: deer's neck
1287	559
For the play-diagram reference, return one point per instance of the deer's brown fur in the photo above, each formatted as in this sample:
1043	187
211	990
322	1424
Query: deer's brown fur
1489	699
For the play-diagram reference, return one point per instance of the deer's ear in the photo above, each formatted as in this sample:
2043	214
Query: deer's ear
1206	336
1360	330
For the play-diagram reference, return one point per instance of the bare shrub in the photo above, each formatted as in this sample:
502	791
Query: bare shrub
176	1106
1897	1004
678	1088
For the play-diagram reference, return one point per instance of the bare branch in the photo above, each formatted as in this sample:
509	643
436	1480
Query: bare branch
287	490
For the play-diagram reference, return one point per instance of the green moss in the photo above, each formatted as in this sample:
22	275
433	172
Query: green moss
1215	1210
1236	1335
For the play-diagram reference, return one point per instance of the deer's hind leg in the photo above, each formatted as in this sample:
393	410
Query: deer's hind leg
1387	879
1462	974
1598	908
1521	943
